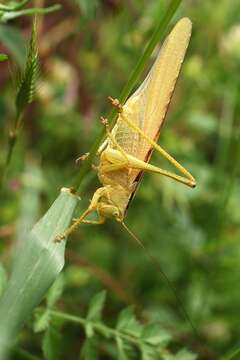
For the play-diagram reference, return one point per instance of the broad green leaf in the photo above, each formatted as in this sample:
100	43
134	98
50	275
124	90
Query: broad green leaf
12	39
40	260
96	306
3	279
52	344
30	202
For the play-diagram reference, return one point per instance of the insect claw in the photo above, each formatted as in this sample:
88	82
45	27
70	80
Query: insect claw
104	120
94	167
82	157
193	184
116	103
59	238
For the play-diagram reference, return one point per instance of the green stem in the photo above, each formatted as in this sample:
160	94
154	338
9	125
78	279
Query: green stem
226	127
232	176
156	37
100	328
231	355
11	143
12	138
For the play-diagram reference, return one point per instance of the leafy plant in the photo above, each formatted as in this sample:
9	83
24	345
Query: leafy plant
132	339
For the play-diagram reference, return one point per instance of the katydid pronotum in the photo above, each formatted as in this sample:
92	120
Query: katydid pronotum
126	152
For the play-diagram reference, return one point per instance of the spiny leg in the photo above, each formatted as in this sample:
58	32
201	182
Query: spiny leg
114	156
115	167
92	207
100	221
82	157
71	228
191	182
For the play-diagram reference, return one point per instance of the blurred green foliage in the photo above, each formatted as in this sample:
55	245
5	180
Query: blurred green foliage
87	51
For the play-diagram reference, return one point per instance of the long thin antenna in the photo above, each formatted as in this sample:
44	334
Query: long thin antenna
164	276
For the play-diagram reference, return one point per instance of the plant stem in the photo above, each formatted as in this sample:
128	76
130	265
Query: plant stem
228	144
99	327
156	37
12	138
230	181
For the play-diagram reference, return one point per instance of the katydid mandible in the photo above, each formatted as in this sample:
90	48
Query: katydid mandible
126	152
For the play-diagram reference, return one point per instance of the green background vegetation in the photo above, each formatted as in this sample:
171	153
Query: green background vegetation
87	50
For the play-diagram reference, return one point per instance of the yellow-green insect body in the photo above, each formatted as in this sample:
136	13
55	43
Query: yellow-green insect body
125	154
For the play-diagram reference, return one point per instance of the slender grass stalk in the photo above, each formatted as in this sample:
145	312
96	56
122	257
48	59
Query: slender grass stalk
232	176
156	37
231	355
228	144
226	127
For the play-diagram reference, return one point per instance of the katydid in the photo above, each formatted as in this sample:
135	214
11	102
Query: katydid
126	152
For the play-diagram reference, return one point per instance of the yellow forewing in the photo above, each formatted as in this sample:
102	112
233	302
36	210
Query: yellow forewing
147	107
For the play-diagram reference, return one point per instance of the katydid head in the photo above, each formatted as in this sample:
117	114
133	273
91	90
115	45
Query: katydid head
105	210
113	203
